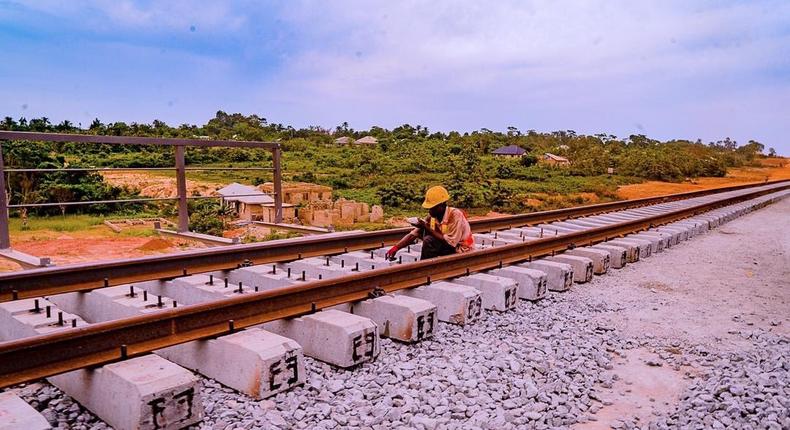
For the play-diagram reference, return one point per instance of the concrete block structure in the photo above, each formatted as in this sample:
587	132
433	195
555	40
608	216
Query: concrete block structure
410	254
632	249
31	317
514	237
489	239
264	277
455	303
643	247
656	243
145	392
666	238
600	258
498	293
189	290
532	283
335	337
400	317
314	268
677	236
582	266
553	230
16	414
559	276
255	362
110	303
364	260
618	256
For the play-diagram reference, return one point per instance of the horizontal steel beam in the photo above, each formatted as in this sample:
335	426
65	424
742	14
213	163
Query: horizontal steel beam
41	356
129	140
88	276
130	169
141	200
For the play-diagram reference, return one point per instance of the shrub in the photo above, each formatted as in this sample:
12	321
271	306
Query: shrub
398	194
207	217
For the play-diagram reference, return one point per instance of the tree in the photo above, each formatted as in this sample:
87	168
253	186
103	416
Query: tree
61	194
771	152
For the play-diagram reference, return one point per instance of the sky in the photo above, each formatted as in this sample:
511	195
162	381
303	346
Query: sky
668	69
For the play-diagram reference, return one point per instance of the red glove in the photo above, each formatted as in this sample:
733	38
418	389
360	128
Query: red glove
390	255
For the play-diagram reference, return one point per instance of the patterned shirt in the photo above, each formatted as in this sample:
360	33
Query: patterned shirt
455	228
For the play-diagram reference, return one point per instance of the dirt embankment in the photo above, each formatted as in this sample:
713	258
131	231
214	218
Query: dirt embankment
771	170
156	186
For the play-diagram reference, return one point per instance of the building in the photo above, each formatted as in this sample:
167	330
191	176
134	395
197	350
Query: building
295	193
340	212
345	140
367	140
512	151
252	204
555	160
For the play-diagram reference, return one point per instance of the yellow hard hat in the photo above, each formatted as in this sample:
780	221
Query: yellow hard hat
434	196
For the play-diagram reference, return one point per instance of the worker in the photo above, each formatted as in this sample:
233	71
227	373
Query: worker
444	231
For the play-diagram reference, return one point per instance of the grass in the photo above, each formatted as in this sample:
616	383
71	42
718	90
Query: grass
38	227
69	223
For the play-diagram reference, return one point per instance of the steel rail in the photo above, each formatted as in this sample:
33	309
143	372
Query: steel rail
97	344
132	140
88	276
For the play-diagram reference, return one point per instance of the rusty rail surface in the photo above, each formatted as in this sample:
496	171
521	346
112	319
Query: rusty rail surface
97	344
88	276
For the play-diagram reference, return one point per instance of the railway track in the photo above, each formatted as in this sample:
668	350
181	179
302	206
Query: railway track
88	276
309	278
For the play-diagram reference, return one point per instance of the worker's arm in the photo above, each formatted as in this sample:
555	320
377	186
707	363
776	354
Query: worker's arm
406	241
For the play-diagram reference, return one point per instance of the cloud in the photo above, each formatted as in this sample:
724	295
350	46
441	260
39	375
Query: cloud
160	16
678	69
532	64
478	45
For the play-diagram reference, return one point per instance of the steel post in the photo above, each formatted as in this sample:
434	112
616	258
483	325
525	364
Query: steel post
278	185
181	184
5	238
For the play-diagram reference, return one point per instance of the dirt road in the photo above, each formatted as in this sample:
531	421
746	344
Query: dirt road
710	294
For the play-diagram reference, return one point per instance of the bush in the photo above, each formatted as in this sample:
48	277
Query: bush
528	160
398	194
207	217
504	171
499	197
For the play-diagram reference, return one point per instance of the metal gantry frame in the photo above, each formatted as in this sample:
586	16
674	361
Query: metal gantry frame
180	168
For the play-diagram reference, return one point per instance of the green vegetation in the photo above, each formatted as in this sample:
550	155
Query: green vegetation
207	216
68	223
395	173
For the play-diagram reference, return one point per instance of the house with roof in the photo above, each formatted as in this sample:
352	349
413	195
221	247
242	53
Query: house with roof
512	151
252	204
554	160
345	140
367	140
